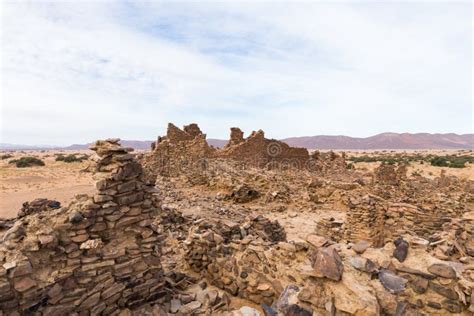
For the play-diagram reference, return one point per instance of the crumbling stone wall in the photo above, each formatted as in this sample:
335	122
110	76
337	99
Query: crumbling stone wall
177	152
236	137
390	175
332	279
402	218
374	219
331	228
365	220
96	256
258	151
233	257
182	151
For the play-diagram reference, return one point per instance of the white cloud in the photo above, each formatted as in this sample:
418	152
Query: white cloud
73	72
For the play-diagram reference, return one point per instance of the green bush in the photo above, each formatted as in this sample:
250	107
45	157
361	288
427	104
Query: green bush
71	158
451	161
439	162
457	164
28	161
60	157
6	156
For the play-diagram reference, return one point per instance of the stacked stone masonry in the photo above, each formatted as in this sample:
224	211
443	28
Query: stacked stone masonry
94	257
187	149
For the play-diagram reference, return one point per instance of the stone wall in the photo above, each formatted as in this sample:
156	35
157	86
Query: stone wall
234	257
365	220
389	174
330	227
258	151
402	218
181	151
327	278
374	219
94	257
236	137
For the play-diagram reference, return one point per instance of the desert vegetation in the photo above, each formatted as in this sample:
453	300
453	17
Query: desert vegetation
71	158
451	161
6	156
27	161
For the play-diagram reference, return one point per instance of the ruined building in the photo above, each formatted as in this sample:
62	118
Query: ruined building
116	251
187	148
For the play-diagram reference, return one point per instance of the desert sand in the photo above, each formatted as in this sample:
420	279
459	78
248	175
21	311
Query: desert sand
56	180
62	181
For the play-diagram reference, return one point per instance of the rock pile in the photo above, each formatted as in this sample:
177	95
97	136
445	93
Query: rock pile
96	256
38	205
239	265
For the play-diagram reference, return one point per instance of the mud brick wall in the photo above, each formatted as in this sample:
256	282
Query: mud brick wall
176	153
175	134
94	257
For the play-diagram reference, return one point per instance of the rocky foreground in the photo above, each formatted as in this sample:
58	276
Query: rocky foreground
254	228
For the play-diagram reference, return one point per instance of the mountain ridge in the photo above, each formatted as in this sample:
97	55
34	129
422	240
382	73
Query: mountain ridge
387	140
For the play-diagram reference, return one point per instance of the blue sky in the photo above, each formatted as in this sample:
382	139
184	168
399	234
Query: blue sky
73	72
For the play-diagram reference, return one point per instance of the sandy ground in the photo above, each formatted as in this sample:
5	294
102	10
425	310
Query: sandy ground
62	181
56	180
426	170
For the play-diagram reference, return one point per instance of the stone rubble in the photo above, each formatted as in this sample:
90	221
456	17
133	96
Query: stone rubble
189	229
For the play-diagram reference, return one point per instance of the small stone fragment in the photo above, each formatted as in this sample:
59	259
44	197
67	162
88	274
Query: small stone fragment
393	283
75	217
442	270
361	246
175	305
419	285
190	307
24	284
451	306
248	311
401	250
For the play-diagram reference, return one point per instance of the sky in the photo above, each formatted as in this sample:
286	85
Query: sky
76	71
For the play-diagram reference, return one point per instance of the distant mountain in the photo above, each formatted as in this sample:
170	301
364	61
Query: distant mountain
386	141
136	144
7	146
218	143
380	141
